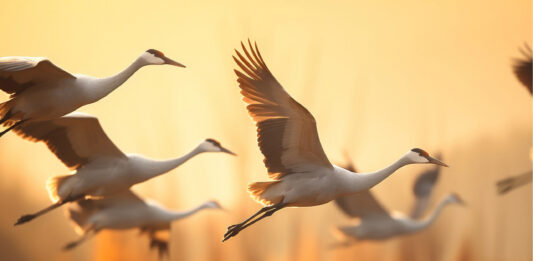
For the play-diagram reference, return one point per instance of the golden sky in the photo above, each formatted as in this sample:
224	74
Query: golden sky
380	77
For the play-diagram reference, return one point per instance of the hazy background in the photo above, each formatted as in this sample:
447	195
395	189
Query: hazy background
380	77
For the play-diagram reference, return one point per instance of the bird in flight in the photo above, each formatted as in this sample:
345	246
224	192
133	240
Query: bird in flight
523	70
287	135
126	210
100	168
42	91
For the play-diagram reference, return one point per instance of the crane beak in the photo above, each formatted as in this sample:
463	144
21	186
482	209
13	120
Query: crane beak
222	149
172	62
437	162
460	200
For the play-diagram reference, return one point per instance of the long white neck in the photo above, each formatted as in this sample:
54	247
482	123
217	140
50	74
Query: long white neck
428	221
355	182
174	215
104	86
148	168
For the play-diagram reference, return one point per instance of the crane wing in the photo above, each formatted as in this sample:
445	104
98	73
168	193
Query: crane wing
362	205
425	182
422	189
523	68
286	131
19	73
75	138
80	211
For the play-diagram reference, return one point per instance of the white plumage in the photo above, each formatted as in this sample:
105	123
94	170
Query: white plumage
100	168
42	91
288	138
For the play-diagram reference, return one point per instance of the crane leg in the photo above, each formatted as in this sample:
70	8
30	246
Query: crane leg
161	245
235	229
12	127
235	226
251	217
6	117
26	218
80	240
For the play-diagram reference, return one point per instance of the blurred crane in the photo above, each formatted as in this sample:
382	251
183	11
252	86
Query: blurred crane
523	71
125	210
377	223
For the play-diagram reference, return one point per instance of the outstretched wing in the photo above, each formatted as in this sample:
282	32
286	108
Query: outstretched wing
19	73
362	205
75	138
286	131
523	68
422	189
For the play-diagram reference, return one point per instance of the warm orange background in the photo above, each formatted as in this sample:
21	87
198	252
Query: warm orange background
380	77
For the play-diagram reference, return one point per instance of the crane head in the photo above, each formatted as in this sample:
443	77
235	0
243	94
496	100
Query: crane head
419	156
213	204
155	57
212	145
454	198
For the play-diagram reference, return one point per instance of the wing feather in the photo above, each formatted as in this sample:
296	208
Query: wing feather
523	68
362	205
286	131
75	138
19	73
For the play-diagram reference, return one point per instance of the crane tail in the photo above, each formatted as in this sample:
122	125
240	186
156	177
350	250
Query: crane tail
54	184
257	192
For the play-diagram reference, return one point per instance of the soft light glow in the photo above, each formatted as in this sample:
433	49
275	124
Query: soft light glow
380	77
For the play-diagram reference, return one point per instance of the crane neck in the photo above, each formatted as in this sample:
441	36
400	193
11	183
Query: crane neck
428	221
355	182
174	215
152	168
106	85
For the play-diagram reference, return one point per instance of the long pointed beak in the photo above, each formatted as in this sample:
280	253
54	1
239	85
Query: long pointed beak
436	161
227	151
172	62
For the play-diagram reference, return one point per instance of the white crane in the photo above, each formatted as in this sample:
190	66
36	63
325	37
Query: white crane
42	91
125	210
79	141
377	223
288	138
